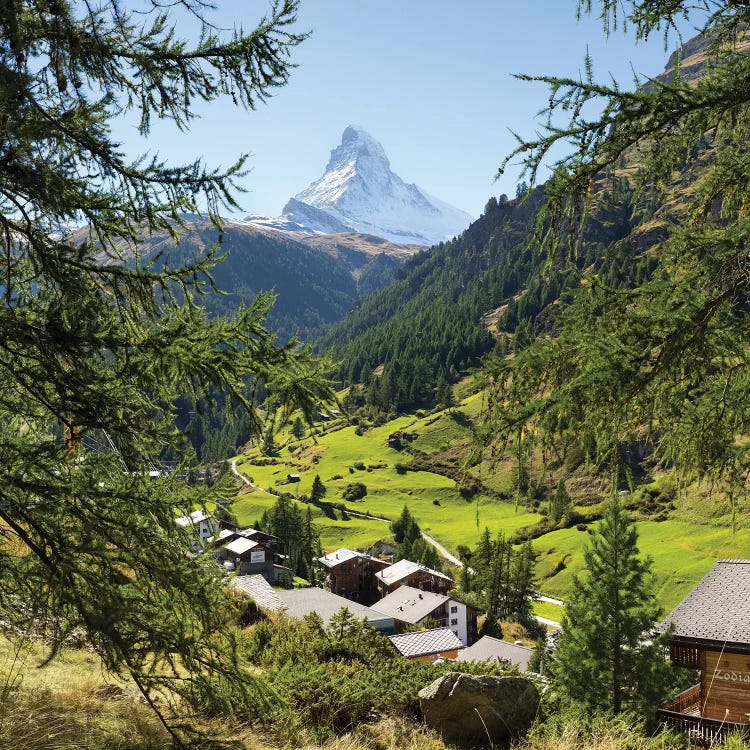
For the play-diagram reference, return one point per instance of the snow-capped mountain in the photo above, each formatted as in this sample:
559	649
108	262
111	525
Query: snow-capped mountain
359	192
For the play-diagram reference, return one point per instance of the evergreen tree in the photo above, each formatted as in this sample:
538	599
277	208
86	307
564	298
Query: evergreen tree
560	504
318	490
311	546
669	354
607	658
406	533
444	394
298	428
95	342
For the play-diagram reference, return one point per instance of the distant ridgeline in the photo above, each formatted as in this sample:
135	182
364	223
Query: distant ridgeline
488	288
317	279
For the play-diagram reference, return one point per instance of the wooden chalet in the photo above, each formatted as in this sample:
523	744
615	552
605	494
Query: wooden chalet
352	574
711	633
229	532
247	557
409	606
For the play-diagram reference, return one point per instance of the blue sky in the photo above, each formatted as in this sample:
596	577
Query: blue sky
430	79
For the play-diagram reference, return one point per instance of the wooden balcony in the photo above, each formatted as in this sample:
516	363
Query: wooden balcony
683	714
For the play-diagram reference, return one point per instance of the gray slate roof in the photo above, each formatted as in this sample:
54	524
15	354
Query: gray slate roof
718	608
240	546
403	568
494	650
300	602
258	589
426	642
410	605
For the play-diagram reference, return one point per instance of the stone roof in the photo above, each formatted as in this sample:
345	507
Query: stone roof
300	602
240	546
258	589
403	568
409	604
194	518
494	650
717	608
332	559
424	642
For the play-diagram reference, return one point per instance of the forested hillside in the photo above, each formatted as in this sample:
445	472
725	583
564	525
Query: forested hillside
316	279
488	289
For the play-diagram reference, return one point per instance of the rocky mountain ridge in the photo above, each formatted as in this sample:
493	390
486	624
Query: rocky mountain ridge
359	192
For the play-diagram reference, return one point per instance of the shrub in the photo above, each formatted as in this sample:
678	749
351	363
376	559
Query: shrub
354	491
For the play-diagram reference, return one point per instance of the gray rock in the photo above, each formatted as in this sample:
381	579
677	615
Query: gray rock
477	710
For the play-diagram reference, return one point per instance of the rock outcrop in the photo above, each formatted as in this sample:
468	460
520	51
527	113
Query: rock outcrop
477	710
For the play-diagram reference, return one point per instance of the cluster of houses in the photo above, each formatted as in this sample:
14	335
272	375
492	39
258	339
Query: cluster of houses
409	603
244	550
710	628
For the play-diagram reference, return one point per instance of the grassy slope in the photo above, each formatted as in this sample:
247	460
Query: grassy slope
682	553
452	522
684	547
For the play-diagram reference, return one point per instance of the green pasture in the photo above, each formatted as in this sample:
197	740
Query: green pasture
682	554
432	498
334	531
683	550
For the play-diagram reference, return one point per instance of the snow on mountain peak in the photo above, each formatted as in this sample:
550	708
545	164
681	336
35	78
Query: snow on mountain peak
358	190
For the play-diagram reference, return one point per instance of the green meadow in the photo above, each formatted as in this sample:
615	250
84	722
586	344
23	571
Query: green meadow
682	551
682	554
341	457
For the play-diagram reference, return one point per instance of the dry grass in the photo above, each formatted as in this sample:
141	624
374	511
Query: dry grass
388	734
43	719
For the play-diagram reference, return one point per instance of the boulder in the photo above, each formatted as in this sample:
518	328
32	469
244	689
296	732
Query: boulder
477	710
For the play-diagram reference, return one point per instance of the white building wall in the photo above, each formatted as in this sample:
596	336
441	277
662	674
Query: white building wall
458	620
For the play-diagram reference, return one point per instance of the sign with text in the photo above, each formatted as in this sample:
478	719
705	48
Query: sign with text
258	556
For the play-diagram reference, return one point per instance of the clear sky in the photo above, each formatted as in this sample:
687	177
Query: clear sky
430	79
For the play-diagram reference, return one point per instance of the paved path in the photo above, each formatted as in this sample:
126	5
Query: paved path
559	602
545	621
366	515
442	551
239	474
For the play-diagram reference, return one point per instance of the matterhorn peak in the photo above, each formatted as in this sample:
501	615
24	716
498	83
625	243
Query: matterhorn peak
358	191
357	143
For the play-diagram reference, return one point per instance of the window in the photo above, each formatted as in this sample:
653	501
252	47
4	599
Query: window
454	609
454	621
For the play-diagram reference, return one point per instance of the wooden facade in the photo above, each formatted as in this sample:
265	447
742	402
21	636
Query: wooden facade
720	702
452	654
407	573
711	634
352	575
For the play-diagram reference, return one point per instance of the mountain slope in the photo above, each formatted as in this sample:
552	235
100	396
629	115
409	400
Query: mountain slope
317	279
488	288
359	192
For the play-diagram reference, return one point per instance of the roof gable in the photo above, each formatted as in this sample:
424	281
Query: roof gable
240	545
409	604
422	643
717	608
403	568
494	650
